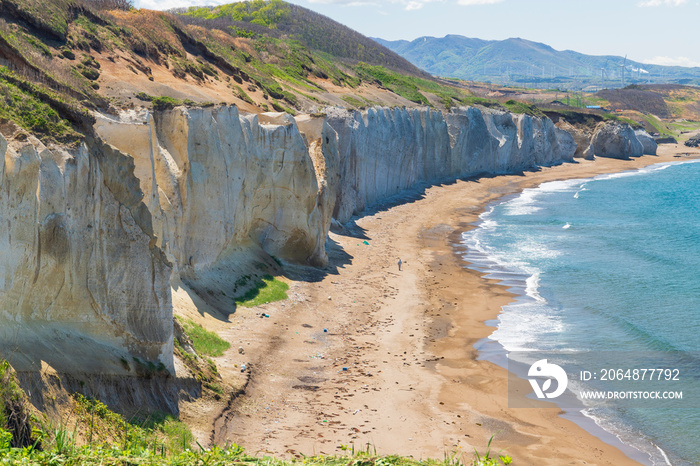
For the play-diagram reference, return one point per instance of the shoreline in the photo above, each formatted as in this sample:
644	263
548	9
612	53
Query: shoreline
494	351
491	350
397	368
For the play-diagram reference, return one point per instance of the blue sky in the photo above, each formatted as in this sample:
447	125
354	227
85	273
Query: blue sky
652	31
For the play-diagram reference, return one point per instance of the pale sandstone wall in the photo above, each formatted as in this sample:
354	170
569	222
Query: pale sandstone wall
384	151
82	283
92	241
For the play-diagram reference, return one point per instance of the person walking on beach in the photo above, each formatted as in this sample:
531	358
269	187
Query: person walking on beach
400	264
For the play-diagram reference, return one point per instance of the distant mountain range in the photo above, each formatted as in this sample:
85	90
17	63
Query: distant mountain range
526	63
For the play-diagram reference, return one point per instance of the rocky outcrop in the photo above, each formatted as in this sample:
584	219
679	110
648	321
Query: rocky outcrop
649	145
616	140
582	138
609	139
693	141
665	140
94	239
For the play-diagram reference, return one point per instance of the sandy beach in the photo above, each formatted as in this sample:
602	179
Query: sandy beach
365	354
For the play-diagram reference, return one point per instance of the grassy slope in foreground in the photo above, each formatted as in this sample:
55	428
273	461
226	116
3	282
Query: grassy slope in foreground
92	434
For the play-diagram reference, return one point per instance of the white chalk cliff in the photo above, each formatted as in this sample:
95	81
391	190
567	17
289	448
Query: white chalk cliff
83	284
385	151
92	240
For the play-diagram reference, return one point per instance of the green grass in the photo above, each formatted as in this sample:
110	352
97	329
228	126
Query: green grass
51	17
629	121
353	101
152	449
661	127
29	111
490	103
165	103
411	87
399	84
205	343
261	12
671	129
242	95
107	434
521	107
268	290
683	127
176	436
594	100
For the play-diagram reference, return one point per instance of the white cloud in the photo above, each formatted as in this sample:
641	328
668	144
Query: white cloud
662	2
478	2
672	61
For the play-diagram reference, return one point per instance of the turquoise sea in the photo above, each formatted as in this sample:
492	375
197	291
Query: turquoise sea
610	263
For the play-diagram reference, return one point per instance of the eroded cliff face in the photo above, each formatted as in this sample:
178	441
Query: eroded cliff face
96	241
83	285
218	181
227	191
384	151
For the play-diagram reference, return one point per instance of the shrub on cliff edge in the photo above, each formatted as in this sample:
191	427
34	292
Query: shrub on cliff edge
15	418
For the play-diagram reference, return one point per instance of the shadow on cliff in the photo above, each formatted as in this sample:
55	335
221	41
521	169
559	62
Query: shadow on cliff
243	274
338	258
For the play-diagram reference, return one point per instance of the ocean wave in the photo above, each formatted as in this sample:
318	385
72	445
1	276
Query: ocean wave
522	325
526	202
629	436
523	204
532	287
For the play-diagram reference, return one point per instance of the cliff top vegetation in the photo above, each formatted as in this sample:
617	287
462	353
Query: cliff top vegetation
67	57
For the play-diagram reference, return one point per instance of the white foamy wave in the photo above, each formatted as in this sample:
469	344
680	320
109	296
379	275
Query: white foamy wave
484	258
559	186
522	326
488	212
581	189
523	204
614	176
567	226
532	286
643	170
664	455
488	224
526	202
632	438
533	250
